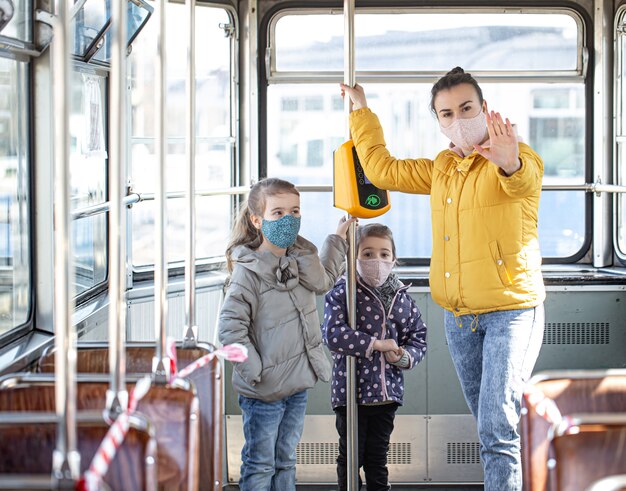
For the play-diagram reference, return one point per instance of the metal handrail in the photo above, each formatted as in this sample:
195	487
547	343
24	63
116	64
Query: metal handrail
117	395
190	336
133	198
160	362
66	459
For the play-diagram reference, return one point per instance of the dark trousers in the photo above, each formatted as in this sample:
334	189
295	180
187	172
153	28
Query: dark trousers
375	427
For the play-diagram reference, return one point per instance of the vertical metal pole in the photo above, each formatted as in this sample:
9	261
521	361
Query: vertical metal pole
352	442
603	131
65	460
190	338
117	396
160	363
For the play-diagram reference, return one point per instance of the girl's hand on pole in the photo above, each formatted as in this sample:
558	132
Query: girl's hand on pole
356	94
503	148
344	224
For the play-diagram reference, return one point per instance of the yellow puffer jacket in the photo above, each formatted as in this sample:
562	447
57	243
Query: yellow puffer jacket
485	245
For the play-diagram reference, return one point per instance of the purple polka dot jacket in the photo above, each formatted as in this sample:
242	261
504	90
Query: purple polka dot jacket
377	380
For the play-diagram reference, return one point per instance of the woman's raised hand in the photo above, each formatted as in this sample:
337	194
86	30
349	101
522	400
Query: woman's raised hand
503	148
342	228
356	94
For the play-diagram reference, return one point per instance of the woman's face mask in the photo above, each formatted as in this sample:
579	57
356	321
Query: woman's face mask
282	232
466	133
374	271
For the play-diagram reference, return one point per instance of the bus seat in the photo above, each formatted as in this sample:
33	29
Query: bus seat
586	448
573	391
93	357
133	467
172	410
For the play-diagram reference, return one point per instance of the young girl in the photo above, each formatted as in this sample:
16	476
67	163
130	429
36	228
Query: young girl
270	308
389	337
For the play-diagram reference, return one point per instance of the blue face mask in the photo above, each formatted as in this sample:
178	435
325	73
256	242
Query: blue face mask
282	232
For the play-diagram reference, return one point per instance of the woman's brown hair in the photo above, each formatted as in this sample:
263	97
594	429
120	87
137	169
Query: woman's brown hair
454	77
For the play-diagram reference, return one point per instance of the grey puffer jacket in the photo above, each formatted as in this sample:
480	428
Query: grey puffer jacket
270	308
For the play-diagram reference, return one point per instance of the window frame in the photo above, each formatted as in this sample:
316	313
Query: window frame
27	326
176	268
619	166
582	75
273	76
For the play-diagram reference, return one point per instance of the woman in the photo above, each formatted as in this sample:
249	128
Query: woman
485	269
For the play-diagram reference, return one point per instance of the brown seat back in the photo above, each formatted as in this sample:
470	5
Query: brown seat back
172	410
94	358
132	467
581	457
573	392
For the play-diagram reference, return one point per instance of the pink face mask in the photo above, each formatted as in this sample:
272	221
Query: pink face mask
374	271
466	133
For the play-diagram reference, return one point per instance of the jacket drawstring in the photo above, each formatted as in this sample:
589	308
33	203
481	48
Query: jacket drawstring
473	324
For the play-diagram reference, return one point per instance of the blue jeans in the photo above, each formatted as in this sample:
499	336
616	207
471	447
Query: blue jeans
272	431
494	355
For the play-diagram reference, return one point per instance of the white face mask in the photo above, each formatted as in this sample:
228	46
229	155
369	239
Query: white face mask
374	271
466	133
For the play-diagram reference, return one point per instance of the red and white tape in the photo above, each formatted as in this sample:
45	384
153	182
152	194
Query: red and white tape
112	440
232	352
92	479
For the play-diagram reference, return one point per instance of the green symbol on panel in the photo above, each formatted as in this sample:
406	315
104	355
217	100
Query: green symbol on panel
373	200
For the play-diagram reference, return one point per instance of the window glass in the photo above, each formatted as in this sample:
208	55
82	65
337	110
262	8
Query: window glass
88	178
620	127
19	26
91	26
429	42
301	144
15	283
215	142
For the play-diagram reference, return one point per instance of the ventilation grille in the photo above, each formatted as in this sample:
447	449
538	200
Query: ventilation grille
399	453
576	333
317	453
463	453
325	453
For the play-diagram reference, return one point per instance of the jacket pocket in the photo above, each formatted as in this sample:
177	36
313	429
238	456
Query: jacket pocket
498	259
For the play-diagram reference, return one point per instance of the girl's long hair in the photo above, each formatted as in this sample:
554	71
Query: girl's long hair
244	232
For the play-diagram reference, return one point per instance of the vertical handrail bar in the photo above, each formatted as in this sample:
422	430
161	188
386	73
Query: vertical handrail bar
117	396
352	444
190	338
160	363
65	460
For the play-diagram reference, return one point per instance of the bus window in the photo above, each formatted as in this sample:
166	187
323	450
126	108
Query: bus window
15	265
620	133
215	140
88	160
398	56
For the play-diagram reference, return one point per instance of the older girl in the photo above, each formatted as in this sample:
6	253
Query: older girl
270	308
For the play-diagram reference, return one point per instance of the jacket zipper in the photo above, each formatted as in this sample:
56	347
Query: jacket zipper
383	336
